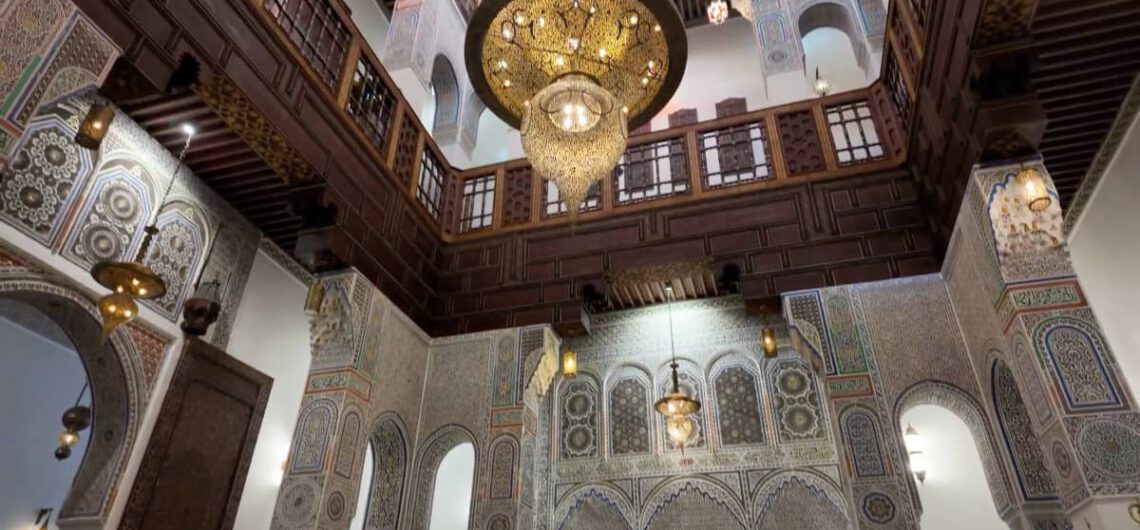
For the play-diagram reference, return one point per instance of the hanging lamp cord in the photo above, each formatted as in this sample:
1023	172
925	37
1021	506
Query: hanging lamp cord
81	392
151	229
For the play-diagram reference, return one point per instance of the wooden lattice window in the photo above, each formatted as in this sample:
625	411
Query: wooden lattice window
429	189
478	203
553	205
371	103
651	171
853	133
734	155
316	29
896	86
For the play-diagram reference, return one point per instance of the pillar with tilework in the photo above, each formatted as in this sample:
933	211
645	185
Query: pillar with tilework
1040	334
323	472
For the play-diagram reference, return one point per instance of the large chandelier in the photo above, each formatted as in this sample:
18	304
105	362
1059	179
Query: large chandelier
574	76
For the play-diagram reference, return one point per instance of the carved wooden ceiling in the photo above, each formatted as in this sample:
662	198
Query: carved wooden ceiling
1089	53
218	155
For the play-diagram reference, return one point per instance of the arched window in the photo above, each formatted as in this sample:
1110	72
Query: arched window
451	498
833	43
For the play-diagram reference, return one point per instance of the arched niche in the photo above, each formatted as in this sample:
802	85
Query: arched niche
628	408
387	441
1022	445
118	393
445	86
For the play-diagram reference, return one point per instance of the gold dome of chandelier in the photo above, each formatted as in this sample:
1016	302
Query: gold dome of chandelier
574	76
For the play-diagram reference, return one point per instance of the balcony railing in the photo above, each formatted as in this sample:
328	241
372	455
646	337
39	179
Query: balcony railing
830	137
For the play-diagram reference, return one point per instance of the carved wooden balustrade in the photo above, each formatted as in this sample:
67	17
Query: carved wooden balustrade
826	138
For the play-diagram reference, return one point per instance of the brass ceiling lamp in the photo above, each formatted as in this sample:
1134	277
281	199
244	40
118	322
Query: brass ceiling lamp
75	420
676	406
569	364
574	76
821	86
717	12
134	280
1034	189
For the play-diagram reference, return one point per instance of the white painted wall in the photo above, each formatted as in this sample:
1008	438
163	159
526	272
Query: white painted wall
724	62
371	22
271	334
1105	250
39	380
955	494
451	500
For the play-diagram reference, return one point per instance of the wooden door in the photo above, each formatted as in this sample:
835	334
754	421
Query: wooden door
194	469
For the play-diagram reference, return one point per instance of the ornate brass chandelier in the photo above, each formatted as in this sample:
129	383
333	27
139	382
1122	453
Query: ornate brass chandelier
717	12
677	406
573	76
134	280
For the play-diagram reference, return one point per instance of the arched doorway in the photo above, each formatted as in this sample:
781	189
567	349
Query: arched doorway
117	395
443	100
962	456
832	42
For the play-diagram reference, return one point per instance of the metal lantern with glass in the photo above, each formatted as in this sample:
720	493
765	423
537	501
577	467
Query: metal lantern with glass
574	76
677	406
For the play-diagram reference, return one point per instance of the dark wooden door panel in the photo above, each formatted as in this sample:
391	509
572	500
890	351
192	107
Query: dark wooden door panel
192	474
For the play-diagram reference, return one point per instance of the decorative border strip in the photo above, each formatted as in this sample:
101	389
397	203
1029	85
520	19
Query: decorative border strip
283	260
1038	297
849	386
348	380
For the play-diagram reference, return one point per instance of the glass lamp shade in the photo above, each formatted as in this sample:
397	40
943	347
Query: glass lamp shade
717	12
768	340
68	438
116	309
94	126
677	403
679	429
1034	188
574	134
822	87
569	364
128	277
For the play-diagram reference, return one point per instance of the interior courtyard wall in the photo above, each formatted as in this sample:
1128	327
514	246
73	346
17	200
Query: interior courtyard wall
763	456
876	346
376	378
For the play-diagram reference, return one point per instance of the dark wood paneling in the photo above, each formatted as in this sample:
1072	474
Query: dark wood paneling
196	462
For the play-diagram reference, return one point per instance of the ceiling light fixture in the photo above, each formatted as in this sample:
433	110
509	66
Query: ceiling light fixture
717	12
75	420
134	280
821	86
573	65
1035	190
676	405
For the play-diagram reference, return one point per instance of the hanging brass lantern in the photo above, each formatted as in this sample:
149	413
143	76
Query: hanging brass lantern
94	126
821	86
1033	187
116	309
676	402
768	340
75	419
569	364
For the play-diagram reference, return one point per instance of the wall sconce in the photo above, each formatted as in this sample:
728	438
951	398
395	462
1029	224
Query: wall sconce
768	340
569	364
914	445
94	126
821	86
1034	188
43	519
